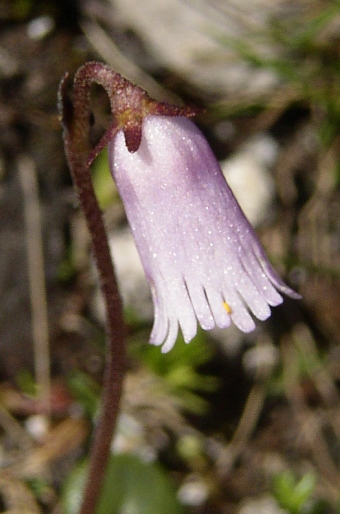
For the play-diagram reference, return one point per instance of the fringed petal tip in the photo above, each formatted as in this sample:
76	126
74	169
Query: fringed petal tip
216	314
281	287
290	292
168	341
167	335
271	274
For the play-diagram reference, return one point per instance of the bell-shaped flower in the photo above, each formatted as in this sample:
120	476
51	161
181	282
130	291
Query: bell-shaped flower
201	256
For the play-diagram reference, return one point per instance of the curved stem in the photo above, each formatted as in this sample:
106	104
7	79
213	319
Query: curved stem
76	121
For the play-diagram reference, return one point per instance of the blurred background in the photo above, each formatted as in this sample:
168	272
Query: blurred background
230	423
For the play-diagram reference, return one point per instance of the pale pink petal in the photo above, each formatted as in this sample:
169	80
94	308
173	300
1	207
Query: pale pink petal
200	254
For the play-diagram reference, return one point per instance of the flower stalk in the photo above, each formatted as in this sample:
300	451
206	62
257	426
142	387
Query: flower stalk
75	118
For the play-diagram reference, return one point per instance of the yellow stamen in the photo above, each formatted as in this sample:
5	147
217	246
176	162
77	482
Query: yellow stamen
227	307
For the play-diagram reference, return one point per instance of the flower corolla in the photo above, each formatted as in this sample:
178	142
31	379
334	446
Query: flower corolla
200	254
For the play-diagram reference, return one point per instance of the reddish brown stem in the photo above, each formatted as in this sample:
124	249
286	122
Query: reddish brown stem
129	104
76	120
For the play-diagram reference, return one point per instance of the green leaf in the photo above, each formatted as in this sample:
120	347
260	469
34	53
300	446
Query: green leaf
131	486
293	494
73	489
304	489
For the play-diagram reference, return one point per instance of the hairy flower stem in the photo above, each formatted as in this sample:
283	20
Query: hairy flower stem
75	117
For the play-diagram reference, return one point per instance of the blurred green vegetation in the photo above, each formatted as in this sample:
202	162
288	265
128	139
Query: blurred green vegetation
303	52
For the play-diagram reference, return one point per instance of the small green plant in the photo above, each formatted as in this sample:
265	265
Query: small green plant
296	496
180	370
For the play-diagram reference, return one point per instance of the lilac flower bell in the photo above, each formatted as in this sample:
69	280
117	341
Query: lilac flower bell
200	254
